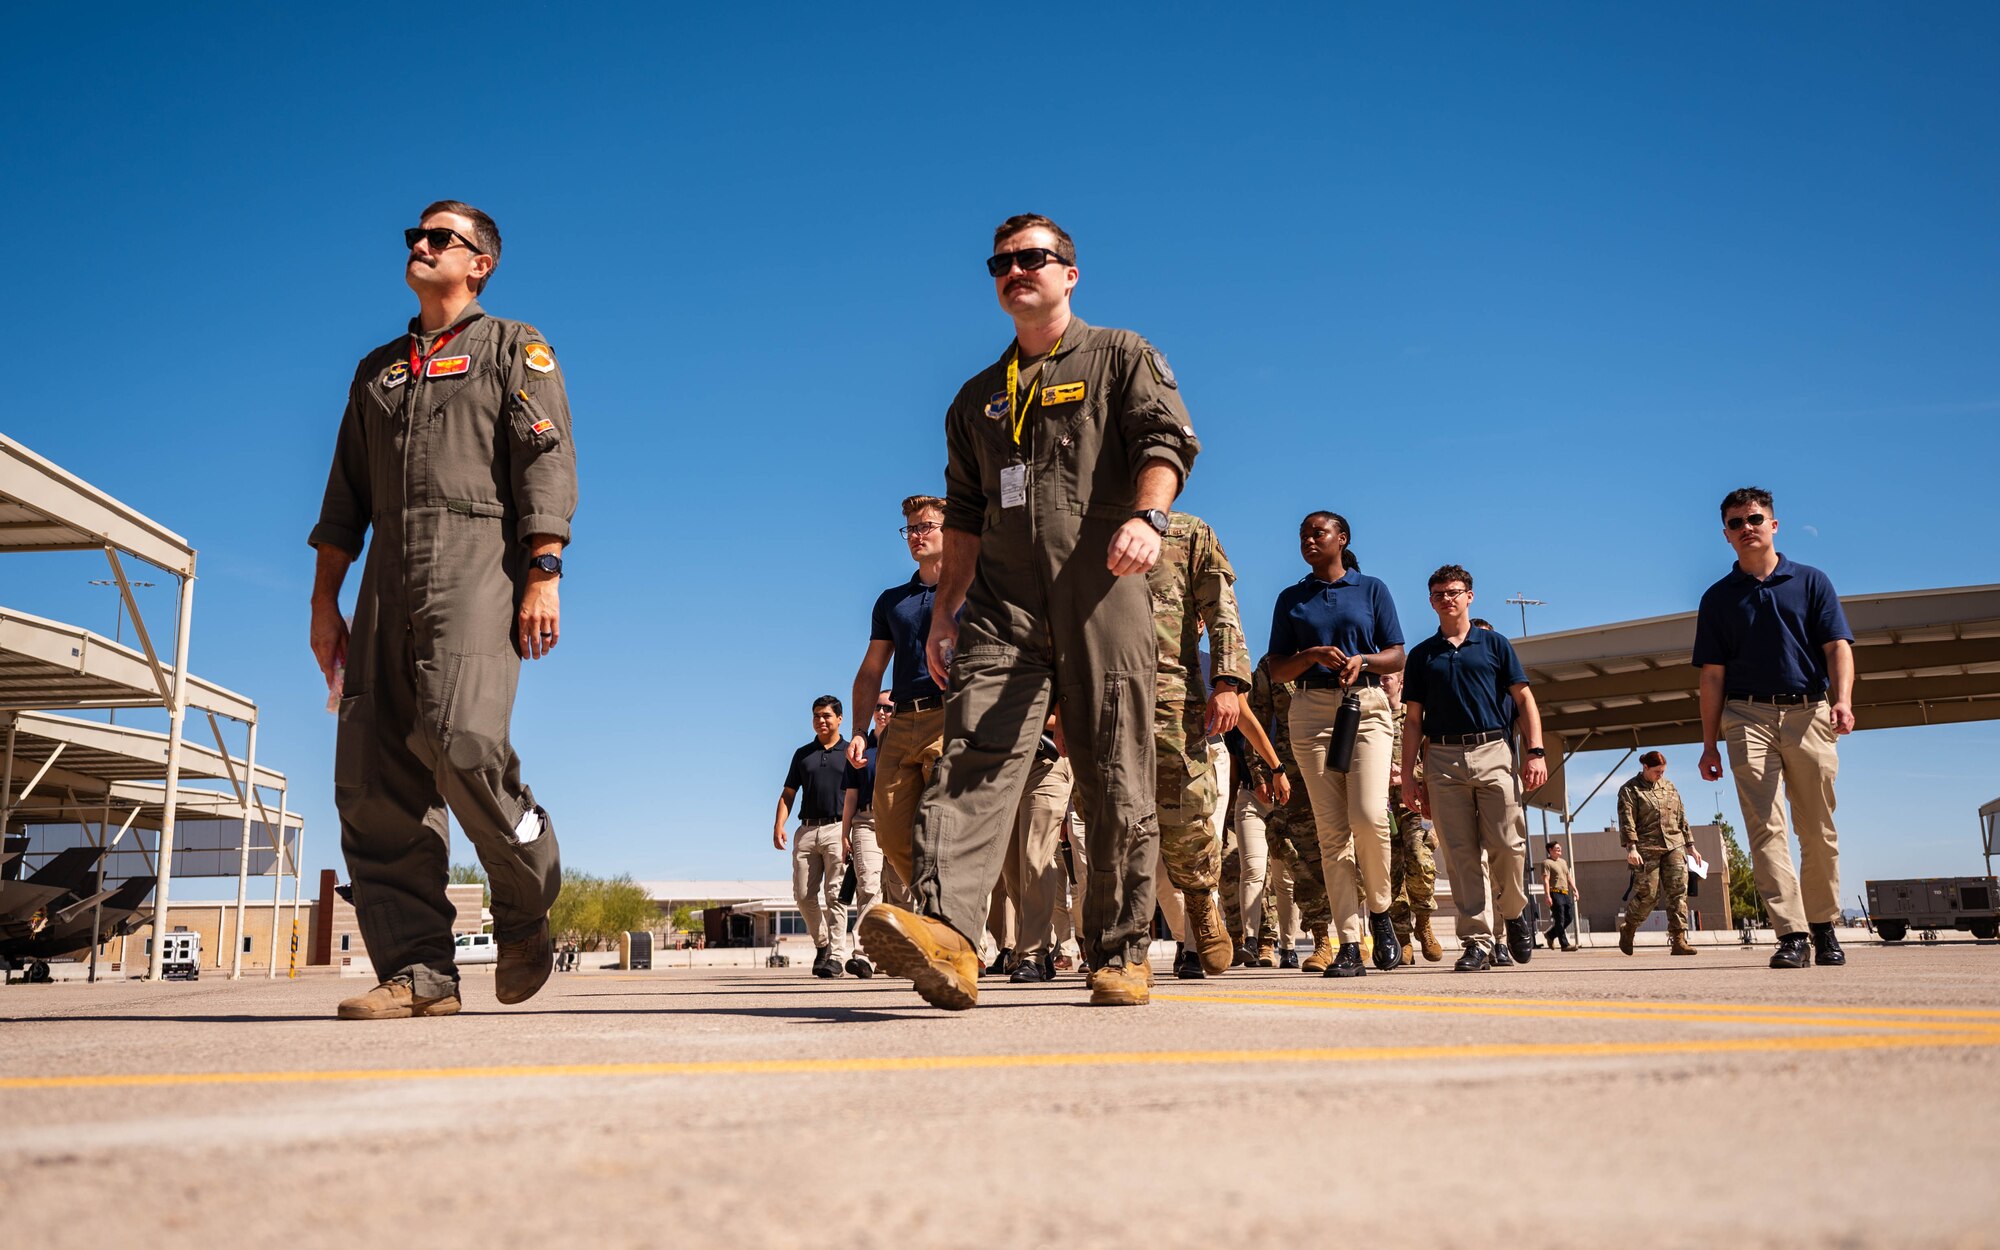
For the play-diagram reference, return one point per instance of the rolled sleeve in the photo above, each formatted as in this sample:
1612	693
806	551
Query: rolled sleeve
348	504
964	488
1156	422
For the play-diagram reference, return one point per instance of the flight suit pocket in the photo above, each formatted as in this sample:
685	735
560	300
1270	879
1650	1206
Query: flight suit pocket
350	742
478	702
533	427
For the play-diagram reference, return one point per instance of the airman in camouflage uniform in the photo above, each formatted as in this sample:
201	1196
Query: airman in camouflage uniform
1191	587
1412	858
1653	829
1293	833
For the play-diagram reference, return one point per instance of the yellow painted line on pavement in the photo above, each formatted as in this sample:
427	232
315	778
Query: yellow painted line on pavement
1488	1009
960	1063
1885	1014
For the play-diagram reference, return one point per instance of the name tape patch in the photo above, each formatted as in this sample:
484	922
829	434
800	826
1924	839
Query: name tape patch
447	366
1065	393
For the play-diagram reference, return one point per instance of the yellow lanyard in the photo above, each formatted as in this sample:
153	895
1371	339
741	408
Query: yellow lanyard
1017	407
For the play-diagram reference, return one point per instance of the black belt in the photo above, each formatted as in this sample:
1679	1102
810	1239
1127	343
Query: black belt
1327	681
1469	740
923	703
1786	700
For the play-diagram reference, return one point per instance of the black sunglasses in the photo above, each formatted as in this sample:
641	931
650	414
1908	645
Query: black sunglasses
1753	520
1029	258
440	238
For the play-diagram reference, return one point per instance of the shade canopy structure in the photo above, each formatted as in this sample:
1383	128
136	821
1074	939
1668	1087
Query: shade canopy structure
92	754
46	508
1921	657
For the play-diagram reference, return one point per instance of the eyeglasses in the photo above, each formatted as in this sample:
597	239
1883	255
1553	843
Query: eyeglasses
920	529
1754	520
1456	593
1028	258
440	238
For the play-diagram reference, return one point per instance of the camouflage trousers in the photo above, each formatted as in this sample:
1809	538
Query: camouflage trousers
1660	871
1412	871
1295	839
1186	799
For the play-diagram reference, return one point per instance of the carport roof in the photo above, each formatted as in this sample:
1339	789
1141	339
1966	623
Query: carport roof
46	508
1921	657
104	753
47	664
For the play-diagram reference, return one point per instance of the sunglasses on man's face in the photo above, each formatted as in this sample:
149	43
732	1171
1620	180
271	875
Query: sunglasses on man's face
438	237
1754	520
1029	258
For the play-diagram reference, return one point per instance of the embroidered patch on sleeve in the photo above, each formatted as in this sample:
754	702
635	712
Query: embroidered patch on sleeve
538	357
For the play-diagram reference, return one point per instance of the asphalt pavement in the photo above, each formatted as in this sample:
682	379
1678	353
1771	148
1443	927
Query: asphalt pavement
1586	1099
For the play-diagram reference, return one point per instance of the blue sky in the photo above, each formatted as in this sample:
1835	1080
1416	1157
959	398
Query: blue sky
1526	288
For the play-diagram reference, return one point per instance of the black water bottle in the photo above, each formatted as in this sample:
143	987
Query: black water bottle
1346	723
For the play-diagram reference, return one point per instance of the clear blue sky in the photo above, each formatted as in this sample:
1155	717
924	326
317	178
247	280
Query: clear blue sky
1523	287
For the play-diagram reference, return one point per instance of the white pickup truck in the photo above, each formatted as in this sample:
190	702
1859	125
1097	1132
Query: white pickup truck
476	948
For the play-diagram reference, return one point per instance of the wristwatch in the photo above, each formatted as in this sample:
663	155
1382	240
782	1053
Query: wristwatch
547	564
1535	753
1153	517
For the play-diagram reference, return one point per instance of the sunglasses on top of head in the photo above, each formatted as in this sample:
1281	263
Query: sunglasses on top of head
439	237
1754	520
1028	258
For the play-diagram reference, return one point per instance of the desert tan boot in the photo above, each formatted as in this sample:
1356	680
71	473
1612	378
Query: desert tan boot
1432	950
1207	936
1267	953
1322	957
1407	949
524	966
395	1000
1681	946
1122	985
930	953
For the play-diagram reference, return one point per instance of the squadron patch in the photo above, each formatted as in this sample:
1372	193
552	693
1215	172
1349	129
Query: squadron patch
447	366
538	357
996	407
398	374
1160	369
1064	393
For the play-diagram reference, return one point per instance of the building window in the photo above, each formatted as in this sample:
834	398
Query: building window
149	946
790	924
246	944
345	940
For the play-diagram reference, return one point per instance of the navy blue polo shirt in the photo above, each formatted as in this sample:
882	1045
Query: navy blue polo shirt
903	618
817	773
862	780
1770	636
1463	689
1355	614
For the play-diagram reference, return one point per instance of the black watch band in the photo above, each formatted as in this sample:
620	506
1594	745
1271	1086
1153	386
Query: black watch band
547	564
1153	517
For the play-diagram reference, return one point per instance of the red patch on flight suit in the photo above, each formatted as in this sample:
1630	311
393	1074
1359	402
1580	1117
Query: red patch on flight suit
447	367
543	426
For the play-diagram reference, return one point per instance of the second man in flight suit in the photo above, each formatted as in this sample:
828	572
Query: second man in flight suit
1063	458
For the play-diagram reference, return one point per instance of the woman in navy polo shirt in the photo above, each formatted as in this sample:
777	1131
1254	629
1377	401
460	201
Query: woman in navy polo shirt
1336	632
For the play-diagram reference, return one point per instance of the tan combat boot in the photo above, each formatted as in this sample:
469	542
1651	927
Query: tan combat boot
1432	951
1680	945
930	953
1407	948
395	1000
1625	938
524	966
1207	936
1267	953
1122	985
1322	957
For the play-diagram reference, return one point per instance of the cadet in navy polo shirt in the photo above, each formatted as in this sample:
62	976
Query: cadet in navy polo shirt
1457	689
1777	683
907	751
817	774
1335	632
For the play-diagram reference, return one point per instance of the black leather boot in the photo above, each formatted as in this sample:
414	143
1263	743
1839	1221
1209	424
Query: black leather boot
1792	952
1347	963
1826	947
1388	952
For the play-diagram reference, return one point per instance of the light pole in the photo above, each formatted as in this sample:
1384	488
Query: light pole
1521	599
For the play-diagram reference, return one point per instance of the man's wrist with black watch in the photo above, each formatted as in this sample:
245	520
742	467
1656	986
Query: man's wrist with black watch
1153	517
547	564
1536	753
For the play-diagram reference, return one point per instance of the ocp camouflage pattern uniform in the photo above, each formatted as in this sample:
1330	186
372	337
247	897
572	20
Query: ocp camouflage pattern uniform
1191	589
1293	833
1652	818
1412	862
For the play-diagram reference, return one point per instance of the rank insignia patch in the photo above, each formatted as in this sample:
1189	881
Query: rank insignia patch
398	374
996	407
447	366
1160	369
538	357
1063	393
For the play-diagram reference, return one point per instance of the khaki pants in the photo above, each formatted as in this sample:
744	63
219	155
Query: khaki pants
1350	808
905	757
867	855
1288	908
1253	853
1032	875
1475	798
816	873
1793	744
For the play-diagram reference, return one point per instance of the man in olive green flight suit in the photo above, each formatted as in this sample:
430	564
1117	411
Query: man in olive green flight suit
1063	457
1653	829
455	447
1191	590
